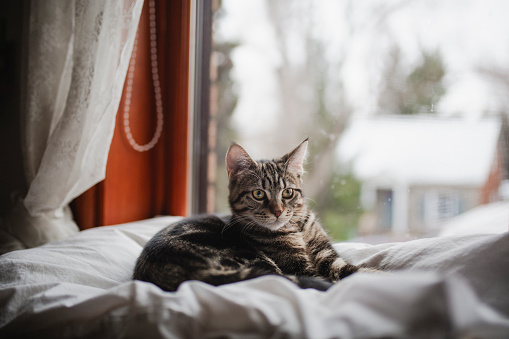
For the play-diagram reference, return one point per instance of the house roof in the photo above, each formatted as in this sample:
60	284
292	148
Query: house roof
421	149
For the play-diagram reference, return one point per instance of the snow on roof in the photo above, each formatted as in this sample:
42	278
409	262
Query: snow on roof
421	149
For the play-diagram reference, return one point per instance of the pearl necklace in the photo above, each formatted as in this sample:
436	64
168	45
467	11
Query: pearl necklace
157	87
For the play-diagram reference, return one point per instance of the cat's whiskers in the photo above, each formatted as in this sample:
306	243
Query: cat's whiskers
235	220
298	216
309	199
247	227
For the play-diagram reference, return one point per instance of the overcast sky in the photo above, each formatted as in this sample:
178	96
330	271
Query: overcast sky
467	33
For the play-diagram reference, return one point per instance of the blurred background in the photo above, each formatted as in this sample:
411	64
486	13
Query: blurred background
405	104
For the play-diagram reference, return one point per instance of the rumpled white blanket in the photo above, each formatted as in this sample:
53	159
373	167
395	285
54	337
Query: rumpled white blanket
81	287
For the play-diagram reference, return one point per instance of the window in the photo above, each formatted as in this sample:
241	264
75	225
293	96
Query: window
392	94
448	206
440	206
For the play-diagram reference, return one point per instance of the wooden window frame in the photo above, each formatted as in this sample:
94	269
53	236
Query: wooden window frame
201	121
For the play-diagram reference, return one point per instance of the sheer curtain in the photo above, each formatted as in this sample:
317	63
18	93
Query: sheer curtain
77	58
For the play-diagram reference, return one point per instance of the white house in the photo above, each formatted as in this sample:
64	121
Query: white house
419	171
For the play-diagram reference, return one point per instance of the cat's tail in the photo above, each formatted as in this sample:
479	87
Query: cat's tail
313	282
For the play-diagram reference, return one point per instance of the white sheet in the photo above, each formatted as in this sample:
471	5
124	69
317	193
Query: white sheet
81	287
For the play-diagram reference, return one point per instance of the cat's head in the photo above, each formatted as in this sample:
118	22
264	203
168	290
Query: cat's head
267	192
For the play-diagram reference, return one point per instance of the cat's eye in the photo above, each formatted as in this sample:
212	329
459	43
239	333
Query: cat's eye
258	194
288	193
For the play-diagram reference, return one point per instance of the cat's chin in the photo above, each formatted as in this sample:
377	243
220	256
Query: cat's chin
271	224
274	226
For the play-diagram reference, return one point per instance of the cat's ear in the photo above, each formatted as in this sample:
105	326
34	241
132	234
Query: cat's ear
296	158
237	160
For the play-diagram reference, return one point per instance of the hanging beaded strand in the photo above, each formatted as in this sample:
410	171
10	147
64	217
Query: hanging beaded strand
157	87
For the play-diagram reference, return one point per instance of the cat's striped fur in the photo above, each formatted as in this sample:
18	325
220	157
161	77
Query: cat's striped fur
270	231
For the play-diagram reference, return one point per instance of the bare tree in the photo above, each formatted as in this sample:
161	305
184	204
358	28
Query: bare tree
311	92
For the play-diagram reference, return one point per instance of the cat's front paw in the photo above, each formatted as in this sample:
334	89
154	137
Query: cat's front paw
347	270
343	270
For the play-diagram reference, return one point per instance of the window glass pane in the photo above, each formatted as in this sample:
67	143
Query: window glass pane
404	103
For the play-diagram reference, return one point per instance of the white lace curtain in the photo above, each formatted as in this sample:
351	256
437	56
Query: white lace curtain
77	58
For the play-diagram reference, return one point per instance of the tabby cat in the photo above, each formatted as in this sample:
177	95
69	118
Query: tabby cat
270	231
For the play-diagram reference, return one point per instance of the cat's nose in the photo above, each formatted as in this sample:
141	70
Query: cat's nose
276	208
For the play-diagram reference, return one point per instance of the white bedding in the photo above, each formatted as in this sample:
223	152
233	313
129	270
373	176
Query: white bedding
81	287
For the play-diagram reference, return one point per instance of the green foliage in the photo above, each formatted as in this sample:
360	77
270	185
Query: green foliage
340	209
424	85
341	226
414	92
